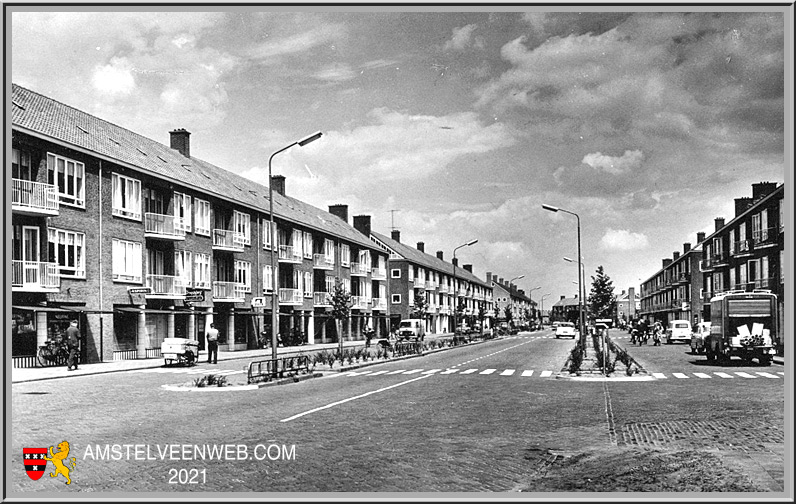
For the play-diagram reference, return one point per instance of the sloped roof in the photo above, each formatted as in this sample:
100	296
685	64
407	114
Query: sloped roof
573	301
43	116
433	262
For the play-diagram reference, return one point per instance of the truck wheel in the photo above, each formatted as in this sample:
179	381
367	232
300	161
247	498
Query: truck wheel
765	360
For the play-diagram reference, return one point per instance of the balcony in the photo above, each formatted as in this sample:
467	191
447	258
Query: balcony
719	259
288	254
443	289
33	198
763	237
229	291
322	299
323	262
359	269
293	297
741	247
683	278
227	240
379	274
431	286
165	286
359	302
34	276
764	283
379	303
166	227
705	265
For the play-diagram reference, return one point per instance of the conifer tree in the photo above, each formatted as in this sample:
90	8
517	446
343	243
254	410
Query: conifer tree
602	301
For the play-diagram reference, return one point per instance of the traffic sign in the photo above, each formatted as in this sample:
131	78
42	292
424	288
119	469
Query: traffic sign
194	295
258	302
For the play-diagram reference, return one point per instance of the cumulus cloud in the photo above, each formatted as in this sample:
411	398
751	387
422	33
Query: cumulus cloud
114	79
622	239
629	161
463	38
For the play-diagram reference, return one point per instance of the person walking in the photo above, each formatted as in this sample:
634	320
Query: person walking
73	344
212	345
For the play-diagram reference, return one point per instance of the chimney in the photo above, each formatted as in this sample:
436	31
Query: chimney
362	224
489	277
468	267
741	205
623	292
181	141
675	256
455	262
421	246
562	298
396	235
631	296
667	262
439	255
700	237
719	222
278	183
340	211
501	282
686	247
762	189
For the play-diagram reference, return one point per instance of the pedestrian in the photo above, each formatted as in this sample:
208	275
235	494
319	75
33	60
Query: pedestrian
212	345
73	344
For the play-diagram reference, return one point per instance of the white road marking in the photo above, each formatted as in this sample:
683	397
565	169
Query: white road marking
767	375
379	372
659	375
781	372
488	371
397	371
355	373
679	375
450	371
413	371
469	371
431	371
527	372
507	372
702	375
745	375
723	375
545	374
352	398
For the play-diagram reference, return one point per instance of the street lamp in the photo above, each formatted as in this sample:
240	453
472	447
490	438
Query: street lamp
455	288
541	312
274	270
530	295
580	255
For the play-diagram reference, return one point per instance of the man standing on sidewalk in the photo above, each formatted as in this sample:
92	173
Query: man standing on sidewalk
73	343
212	345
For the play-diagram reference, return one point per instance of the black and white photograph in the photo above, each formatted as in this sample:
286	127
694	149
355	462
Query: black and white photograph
398	251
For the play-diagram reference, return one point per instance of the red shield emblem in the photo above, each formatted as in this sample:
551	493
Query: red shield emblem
34	461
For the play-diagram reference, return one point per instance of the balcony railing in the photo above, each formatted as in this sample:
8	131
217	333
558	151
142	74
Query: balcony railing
163	226
323	261
764	283
229	291
33	197
741	247
443	289
379	273
719	258
228	240
291	296
34	275
379	303
288	254
683	278
165	285
431	286
359	269
322	299
359	302
764	236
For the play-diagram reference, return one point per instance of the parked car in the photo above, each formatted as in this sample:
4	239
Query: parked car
678	330
411	329
701	330
566	329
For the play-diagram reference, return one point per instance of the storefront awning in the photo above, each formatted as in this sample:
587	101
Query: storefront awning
50	309
156	311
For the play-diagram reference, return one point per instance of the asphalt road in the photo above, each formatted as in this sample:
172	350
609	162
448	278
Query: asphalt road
479	418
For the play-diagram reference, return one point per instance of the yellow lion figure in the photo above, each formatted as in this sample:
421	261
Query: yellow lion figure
58	460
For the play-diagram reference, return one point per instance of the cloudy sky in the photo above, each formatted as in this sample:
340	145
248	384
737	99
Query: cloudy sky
454	126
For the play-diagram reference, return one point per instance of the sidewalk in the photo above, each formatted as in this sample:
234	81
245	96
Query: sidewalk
19	375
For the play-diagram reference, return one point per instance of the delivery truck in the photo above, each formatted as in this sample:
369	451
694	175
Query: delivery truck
743	324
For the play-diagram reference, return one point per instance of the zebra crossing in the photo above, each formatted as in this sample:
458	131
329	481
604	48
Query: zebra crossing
532	373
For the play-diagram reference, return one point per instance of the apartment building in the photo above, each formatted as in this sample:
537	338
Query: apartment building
566	310
628	304
748	252
444	286
505	293
674	291
140	241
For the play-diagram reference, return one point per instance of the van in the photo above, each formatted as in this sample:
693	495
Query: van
411	329
678	330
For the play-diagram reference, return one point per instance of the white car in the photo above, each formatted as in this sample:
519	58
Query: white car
678	330
566	329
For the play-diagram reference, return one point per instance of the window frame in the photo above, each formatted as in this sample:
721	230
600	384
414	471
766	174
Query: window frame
126	209
268	278
201	278
393	299
345	255
241	223
135	258
180	206
181	257
308	284
200	206
243	269
78	199
307	244
79	271
393	272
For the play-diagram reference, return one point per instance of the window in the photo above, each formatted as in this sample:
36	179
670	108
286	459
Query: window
411	275
183	266
781	259
395	273
297	280
242	225
126	197
297	243
267	234
329	281
67	250
20	165
328	251
201	217
718	284
345	255
182	211
201	271
243	274
742	278
732	242
717	249
268	278
732	278
126	261
364	258
347	284
70	178
307	284
307	245
395	299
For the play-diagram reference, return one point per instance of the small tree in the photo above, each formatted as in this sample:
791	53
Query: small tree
507	314
341	309
420	306
602	301
481	316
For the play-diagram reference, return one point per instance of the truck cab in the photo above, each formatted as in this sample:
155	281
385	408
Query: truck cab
743	324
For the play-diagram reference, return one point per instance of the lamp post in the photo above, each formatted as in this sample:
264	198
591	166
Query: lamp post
272	229
530	295
580	255
541	312
455	287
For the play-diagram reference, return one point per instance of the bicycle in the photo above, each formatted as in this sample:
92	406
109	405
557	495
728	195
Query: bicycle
54	352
